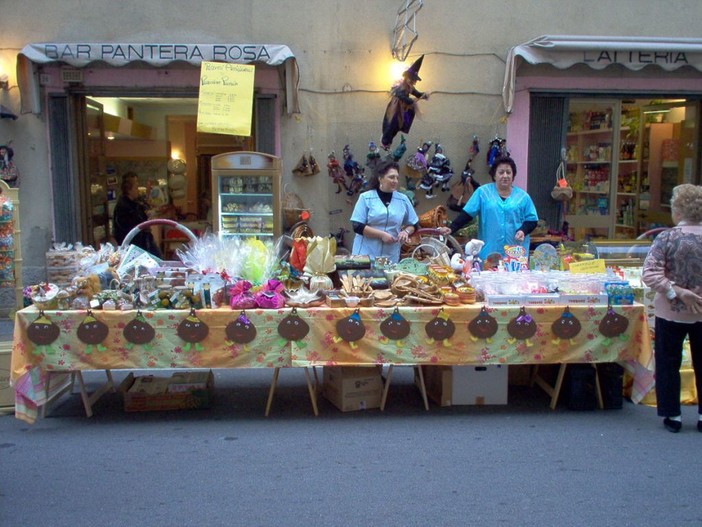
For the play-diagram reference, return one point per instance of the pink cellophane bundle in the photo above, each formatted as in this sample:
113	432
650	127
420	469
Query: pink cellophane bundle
240	295
270	296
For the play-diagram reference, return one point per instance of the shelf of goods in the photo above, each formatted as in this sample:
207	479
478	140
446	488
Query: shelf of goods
603	169
246	191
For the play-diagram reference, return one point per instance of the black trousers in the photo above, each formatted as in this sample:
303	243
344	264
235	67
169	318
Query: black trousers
668	352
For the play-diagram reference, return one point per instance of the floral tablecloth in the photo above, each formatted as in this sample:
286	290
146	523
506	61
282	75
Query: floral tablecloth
321	343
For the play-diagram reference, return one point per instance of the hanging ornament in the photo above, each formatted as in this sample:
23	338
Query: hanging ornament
303	167
241	330
497	148
314	166
92	332
439	168
354	171
566	327
613	325
138	331
43	332
395	327
8	171
350	329
293	329
399	150
402	107
193	331
440	328
336	173
521	327
484	326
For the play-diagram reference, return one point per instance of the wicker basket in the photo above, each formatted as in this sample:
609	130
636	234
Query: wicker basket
434	218
292	208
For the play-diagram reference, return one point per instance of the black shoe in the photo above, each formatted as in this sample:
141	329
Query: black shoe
674	426
699	426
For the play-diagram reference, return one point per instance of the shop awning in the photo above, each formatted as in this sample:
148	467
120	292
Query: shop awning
634	53
80	55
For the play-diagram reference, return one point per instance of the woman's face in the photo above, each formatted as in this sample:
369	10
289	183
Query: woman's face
504	176
133	190
389	181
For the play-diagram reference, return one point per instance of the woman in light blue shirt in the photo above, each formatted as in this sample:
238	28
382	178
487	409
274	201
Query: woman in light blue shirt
507	213
383	218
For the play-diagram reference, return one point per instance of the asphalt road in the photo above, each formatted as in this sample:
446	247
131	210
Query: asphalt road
520	464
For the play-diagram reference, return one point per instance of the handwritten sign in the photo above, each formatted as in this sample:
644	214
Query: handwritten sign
225	104
588	266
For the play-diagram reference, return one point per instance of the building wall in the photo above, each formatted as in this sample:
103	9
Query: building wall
343	52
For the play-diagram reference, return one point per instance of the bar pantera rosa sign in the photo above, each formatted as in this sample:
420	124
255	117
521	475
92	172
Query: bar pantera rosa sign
81	54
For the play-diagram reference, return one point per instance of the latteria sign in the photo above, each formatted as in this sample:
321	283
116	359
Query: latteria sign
120	54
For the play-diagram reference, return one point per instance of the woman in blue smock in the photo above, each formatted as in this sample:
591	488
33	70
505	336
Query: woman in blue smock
383	219
506	213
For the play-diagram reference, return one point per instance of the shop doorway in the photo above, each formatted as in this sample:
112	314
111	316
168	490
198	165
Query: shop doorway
623	156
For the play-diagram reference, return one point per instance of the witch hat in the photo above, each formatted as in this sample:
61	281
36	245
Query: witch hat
413	71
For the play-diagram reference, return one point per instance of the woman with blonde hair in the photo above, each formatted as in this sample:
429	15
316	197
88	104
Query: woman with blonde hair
673	269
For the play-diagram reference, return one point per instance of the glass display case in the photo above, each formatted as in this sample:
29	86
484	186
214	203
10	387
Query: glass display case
622	253
246	195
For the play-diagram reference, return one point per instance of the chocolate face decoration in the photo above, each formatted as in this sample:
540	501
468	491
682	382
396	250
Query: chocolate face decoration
395	327
293	327
42	331
440	327
241	330
138	330
522	326
351	328
567	326
484	326
92	332
192	329
613	324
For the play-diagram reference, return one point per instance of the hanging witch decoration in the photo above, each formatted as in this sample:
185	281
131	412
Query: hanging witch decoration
401	109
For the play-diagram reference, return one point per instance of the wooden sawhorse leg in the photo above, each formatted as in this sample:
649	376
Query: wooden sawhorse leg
311	388
90	399
555	390
422	387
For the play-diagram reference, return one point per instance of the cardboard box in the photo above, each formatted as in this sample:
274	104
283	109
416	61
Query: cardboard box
353	388
471	385
182	391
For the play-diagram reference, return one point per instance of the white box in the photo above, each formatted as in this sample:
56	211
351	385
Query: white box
505	300
544	299
474	385
584	299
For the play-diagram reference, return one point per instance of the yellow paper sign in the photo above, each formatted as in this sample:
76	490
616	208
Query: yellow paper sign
225	104
588	266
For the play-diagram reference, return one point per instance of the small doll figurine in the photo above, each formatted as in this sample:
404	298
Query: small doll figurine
418	163
8	170
440	168
472	249
373	156
336	173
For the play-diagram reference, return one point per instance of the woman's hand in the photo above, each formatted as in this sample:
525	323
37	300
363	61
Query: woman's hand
445	231
519	236
692	301
403	237
386	237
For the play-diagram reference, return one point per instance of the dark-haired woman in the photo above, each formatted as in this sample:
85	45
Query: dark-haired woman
506	213
383	218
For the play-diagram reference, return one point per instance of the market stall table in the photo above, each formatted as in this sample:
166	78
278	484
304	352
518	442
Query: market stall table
321	345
